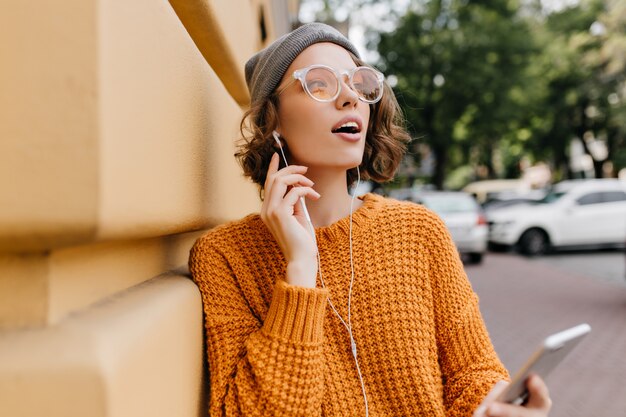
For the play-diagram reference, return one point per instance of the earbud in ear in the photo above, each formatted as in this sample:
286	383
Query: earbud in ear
280	146
277	138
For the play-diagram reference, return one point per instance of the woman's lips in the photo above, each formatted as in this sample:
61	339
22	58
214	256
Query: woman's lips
348	128
349	137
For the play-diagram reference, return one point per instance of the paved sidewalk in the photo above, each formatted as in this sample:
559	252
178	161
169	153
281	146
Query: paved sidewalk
523	301
609	266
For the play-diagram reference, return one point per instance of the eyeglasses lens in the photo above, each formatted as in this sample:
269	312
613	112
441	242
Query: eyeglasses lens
321	83
366	84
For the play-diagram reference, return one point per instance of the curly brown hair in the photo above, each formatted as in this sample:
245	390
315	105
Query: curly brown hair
385	142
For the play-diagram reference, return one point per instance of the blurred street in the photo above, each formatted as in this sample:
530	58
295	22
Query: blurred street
523	300
607	265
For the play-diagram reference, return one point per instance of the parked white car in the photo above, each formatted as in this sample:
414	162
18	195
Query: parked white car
576	213
464	219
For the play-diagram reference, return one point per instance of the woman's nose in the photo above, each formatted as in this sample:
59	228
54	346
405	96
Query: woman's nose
347	96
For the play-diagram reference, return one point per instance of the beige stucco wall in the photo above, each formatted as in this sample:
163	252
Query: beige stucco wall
136	354
48	124
117	129
113	125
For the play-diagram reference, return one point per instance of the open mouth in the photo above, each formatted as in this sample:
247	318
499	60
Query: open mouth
348	127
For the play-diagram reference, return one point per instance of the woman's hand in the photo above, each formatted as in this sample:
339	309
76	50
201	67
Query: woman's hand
538	404
284	216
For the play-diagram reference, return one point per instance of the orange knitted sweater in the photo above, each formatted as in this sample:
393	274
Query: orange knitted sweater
279	350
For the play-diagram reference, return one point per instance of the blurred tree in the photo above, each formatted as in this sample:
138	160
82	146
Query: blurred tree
583	74
488	84
457	64
606	56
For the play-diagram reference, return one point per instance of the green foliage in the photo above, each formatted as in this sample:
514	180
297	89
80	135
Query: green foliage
581	79
460	68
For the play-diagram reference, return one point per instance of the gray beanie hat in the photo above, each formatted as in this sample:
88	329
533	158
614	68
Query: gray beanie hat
267	67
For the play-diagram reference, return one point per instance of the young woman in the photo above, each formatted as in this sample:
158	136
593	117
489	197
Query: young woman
326	305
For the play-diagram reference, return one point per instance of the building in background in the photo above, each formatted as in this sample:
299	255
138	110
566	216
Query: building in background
117	129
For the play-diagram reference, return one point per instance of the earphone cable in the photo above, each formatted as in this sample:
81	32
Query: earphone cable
347	325
353	343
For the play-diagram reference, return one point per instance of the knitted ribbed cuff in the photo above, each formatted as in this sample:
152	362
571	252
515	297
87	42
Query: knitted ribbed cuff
296	313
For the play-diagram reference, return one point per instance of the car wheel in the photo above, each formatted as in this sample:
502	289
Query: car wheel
475	258
534	242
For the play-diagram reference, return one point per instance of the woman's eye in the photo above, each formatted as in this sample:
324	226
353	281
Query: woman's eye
315	85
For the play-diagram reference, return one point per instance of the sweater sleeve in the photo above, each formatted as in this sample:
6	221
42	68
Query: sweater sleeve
469	364
269	368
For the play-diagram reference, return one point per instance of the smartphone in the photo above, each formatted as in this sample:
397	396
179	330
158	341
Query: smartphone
554	348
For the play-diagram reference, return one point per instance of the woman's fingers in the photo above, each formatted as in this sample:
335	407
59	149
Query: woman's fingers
538	405
274	173
281	186
279	183
539	396
296	193
493	394
289	205
508	410
271	170
282	214
287	180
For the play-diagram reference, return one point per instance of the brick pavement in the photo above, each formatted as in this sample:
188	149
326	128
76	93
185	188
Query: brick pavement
523	301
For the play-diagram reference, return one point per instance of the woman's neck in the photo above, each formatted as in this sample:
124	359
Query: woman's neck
335	200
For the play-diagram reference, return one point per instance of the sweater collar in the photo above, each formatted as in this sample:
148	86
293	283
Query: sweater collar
360	218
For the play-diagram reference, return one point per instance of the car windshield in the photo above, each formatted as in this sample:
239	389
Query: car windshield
449	204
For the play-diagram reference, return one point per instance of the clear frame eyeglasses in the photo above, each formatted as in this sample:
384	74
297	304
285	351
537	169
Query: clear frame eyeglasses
323	84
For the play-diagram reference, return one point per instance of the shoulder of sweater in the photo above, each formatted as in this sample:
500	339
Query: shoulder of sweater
231	233
409	211
429	227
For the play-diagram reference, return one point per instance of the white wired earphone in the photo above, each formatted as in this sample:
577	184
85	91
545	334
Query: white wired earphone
348	324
